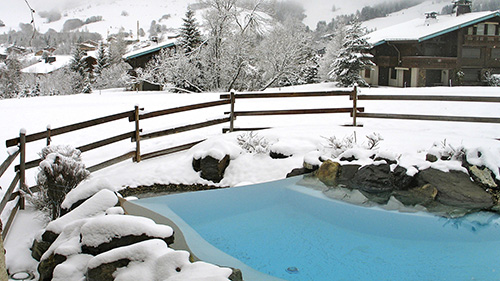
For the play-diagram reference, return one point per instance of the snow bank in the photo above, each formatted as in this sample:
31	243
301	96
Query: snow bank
217	148
68	241
96	205
73	269
153	260
85	190
101	230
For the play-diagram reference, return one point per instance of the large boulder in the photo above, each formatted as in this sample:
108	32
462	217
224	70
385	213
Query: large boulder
211	168
423	195
456	189
374	179
42	244
47	265
483	176
329	172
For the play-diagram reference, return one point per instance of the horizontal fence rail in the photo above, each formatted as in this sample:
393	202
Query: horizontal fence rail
431	117
184	128
295	111
70	128
429	98
252	95
181	109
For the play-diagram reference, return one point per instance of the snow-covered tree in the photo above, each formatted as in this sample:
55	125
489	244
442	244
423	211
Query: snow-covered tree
332	47
61	170
83	77
353	57
286	55
190	37
112	76
10	76
102	60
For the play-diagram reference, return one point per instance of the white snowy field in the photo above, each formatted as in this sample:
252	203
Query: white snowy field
299	135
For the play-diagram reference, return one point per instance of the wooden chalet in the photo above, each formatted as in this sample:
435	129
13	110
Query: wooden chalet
140	57
436	50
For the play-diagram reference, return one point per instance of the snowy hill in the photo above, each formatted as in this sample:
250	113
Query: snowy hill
126	14
407	14
116	14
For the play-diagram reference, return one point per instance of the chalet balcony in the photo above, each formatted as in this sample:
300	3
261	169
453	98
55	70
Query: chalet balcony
481	40
429	62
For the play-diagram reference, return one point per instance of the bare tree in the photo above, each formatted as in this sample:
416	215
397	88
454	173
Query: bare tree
285	53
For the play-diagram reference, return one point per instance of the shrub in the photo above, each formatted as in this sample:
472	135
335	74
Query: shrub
51	16
72	24
252	143
60	171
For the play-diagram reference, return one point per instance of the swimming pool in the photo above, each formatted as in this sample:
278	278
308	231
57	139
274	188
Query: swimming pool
283	230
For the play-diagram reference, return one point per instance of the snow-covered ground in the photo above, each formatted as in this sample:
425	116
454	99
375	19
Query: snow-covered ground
299	135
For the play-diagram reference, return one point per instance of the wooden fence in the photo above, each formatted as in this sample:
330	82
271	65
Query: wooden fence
18	144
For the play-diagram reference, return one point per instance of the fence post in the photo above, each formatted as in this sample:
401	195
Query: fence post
232	117
22	165
49	129
354	105
137	135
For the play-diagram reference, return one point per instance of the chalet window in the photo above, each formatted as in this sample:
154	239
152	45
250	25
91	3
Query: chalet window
368	72
492	29
480	29
495	53
394	73
471	53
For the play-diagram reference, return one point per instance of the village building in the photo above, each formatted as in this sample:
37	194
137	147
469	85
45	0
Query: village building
140	57
436	50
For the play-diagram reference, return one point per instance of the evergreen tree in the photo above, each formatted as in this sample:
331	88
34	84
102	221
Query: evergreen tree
190	35
353	57
79	67
103	60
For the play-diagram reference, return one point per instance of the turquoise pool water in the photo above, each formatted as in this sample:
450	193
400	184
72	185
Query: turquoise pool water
292	232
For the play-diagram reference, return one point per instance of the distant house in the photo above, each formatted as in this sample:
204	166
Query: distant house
436	50
140	57
88	45
48	50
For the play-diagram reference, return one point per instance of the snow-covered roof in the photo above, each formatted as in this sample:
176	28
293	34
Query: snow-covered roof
150	49
420	30
44	68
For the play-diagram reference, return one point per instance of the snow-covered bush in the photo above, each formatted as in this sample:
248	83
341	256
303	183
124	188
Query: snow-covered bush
338	146
60	171
374	140
443	150
253	143
493	79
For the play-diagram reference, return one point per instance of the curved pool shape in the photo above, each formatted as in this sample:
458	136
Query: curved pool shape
284	230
